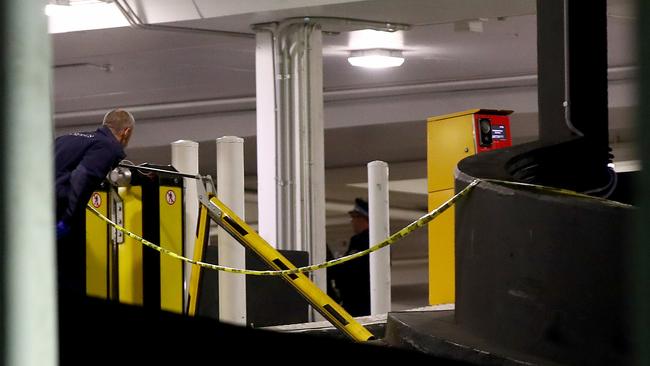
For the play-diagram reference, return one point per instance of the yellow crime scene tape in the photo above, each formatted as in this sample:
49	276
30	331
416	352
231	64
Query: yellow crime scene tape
560	191
419	223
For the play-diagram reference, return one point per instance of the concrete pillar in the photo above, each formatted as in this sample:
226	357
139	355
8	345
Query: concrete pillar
28	305
290	154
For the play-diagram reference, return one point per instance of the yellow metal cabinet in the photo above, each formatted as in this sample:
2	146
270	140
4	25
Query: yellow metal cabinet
451	138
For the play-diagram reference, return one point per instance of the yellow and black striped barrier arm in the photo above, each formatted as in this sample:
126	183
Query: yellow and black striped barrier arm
200	247
324	304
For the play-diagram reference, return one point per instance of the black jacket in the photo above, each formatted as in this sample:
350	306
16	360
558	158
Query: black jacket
82	161
352	279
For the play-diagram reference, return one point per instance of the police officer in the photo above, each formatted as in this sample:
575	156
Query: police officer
351	280
82	161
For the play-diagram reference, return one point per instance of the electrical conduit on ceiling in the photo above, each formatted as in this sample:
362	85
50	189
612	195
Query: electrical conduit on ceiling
248	103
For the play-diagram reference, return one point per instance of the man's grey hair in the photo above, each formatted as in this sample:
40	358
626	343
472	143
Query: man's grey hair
118	119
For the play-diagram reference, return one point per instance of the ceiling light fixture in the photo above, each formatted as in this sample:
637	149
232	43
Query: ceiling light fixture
81	15
77	2
378	58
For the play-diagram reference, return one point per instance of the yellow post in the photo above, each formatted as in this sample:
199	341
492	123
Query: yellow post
171	238
200	246
97	247
130	252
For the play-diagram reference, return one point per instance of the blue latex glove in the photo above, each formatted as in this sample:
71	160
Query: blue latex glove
62	230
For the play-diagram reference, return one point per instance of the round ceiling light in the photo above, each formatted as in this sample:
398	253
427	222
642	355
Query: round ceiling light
376	58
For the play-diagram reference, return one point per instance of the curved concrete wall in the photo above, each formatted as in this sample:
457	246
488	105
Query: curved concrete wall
544	273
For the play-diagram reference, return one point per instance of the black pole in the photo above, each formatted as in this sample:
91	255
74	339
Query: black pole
587	71
641	254
551	70
572	86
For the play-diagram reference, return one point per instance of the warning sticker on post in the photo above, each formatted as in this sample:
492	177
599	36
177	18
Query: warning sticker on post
96	199
170	197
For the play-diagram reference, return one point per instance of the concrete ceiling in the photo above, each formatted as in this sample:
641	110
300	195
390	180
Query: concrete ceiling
202	86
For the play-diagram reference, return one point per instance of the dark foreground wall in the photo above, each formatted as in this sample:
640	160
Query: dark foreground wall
98	332
543	273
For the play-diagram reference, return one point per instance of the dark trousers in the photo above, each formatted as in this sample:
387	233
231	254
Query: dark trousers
71	262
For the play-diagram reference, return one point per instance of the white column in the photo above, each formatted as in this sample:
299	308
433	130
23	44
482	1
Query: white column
27	275
380	294
230	191
266	137
291	169
185	158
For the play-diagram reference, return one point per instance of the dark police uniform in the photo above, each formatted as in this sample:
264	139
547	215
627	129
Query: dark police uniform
82	161
352	279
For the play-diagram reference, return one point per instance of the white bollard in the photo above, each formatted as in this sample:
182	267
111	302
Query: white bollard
230	191
380	292
185	158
